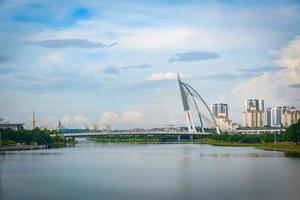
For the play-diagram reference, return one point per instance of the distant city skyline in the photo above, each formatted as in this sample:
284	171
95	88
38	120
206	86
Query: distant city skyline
116	62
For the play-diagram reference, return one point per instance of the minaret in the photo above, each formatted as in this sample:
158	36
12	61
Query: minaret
33	120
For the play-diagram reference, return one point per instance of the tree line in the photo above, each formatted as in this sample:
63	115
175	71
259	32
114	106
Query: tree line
35	136
292	134
53	138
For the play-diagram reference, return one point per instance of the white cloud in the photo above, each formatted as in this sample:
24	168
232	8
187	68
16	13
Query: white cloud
160	38
290	58
132	116
158	76
109	118
49	122
188	37
129	118
273	87
74	120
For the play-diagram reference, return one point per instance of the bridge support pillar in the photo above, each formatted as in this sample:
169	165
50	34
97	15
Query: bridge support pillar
191	137
178	137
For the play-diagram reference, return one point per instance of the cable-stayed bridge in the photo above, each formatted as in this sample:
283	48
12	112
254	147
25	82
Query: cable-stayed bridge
191	101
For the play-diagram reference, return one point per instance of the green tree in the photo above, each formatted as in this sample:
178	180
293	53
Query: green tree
293	133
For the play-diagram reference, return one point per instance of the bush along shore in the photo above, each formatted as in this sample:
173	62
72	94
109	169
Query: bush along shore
32	139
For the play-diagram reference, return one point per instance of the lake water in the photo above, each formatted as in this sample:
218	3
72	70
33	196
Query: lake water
148	171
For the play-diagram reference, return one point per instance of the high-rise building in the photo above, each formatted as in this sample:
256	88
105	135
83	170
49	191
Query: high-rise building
268	117
257	103
290	116
261	105
276	116
281	116
253	116
220	110
214	109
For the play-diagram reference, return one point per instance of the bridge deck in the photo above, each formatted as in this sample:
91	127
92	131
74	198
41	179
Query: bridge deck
131	133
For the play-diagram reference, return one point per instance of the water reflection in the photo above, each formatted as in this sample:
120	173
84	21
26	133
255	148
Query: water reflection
94	171
292	154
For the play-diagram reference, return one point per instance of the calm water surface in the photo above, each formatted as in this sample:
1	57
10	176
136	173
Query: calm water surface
148	171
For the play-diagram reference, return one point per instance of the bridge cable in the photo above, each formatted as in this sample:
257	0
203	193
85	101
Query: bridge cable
199	115
218	130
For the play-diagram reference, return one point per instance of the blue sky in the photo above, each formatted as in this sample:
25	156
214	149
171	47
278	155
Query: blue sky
116	61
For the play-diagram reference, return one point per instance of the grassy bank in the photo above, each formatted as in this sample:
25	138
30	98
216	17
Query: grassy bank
288	147
126	139
267	146
280	147
226	143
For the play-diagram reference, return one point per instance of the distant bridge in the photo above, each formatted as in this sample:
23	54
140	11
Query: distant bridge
133	133
170	133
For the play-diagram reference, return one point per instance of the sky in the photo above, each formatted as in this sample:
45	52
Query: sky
85	62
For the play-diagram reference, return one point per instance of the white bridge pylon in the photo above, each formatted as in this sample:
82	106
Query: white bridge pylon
188	94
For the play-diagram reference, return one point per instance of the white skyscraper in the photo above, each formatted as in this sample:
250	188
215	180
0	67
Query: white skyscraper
276	116
290	116
257	103
220	110
283	116
253	116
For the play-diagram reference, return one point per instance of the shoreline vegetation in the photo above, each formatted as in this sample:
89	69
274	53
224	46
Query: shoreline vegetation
287	141
32	139
279	146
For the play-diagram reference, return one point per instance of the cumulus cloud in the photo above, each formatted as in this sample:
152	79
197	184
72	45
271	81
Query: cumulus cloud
164	76
109	118
65	43
74	120
129	118
132	116
47	121
272	86
193	56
